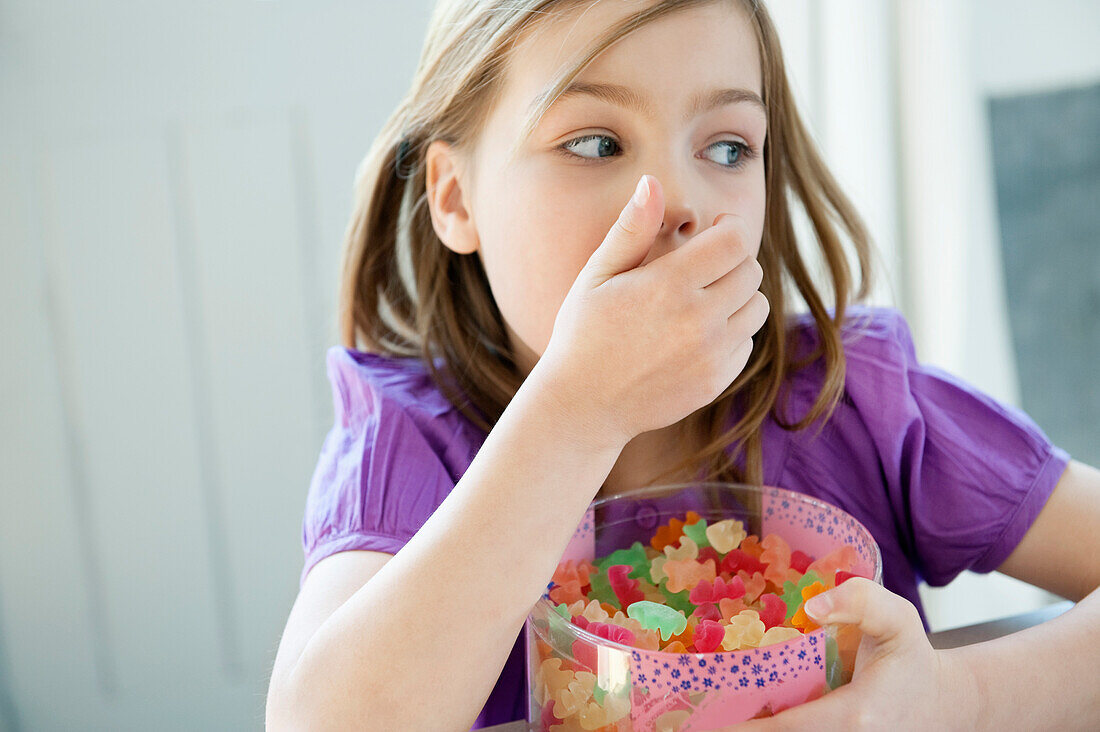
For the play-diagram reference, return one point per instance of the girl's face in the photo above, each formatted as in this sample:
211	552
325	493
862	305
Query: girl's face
647	104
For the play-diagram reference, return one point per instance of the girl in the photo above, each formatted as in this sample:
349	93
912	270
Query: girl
516	341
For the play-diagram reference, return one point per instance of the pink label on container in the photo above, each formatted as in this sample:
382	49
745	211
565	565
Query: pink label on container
583	543
728	686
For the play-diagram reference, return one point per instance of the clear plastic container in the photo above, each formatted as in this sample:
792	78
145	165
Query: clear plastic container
611	686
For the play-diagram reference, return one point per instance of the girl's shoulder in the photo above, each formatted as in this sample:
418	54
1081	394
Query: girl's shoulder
865	328
362	382
876	340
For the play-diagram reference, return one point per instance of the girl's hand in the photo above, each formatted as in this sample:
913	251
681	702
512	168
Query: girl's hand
900	681
636	348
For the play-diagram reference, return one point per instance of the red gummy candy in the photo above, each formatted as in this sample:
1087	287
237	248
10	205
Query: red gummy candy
584	655
625	589
705	591
842	576
774	611
708	635
738	560
707	611
800	561
548	717
709	552
580	621
612	632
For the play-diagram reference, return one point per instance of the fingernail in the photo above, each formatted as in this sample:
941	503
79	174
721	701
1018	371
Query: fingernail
819	606
641	193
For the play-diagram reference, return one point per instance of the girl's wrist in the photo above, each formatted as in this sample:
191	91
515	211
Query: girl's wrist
571	410
963	701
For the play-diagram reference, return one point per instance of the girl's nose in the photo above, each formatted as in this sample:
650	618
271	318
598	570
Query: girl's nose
681	221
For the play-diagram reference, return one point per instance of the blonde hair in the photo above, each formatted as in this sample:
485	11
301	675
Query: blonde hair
404	294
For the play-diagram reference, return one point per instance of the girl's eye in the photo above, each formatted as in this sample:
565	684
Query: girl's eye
735	155
598	147
585	144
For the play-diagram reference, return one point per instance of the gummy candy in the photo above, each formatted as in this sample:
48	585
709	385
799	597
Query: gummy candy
696	587
843	557
658	617
800	561
744	631
792	592
671	532
801	620
751	546
705	591
709	635
737	561
688	549
725	535
842	576
774	610
626	590
697	532
754	584
778	634
683	574
777	557
635	556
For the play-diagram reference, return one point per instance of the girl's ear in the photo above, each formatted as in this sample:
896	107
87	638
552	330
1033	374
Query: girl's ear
447	201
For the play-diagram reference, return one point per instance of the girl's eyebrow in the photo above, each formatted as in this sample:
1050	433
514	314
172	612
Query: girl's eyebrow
624	96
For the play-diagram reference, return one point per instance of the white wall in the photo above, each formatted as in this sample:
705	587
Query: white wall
175	178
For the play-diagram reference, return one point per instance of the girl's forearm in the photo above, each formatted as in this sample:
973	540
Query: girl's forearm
1044	677
421	645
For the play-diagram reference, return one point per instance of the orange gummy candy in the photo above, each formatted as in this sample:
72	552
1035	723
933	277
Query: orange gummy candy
755	584
671	532
801	620
751	546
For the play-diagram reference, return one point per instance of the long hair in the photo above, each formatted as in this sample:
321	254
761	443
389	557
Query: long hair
404	294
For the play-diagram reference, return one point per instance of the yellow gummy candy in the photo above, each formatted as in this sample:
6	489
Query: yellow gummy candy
685	574
744	631
594	716
571	700
726	535
778	634
688	549
595	612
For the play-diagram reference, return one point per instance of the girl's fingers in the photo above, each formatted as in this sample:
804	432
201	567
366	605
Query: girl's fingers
712	253
749	319
879	613
732	290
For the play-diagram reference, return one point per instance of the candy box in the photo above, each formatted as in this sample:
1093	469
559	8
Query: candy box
578	679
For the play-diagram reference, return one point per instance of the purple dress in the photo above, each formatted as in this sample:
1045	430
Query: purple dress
944	477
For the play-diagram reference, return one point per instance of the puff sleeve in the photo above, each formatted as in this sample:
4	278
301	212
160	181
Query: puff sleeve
965	474
395	450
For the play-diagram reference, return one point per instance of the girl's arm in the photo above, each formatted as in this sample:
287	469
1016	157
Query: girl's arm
1044	677
421	645
1048	676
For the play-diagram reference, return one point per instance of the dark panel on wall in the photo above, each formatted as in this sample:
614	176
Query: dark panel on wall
1046	153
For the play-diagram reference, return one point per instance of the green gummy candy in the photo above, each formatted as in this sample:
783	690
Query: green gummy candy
599	694
677	600
654	616
832	663
697	532
635	556
601	590
563	610
792	593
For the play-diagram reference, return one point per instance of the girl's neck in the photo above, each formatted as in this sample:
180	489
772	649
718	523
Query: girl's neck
649	455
